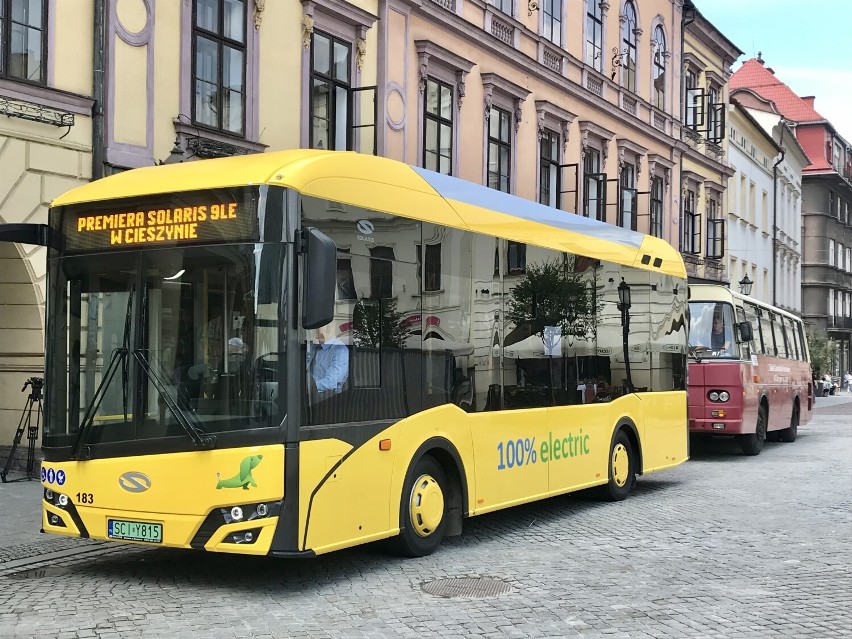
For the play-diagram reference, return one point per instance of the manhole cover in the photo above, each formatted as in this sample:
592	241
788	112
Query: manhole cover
467	587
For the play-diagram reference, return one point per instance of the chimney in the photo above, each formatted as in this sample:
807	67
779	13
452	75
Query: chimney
809	100
760	57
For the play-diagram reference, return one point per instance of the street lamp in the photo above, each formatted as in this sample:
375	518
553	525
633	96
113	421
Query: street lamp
624	307
176	154
745	285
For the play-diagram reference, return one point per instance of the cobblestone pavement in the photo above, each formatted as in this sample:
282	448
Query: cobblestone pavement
723	546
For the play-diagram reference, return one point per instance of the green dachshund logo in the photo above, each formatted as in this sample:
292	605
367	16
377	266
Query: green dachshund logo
243	478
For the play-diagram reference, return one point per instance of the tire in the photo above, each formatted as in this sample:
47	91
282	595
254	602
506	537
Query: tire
752	444
423	510
621	469
789	434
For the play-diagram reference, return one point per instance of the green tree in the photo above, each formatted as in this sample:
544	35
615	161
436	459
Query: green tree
823	351
377	322
551	293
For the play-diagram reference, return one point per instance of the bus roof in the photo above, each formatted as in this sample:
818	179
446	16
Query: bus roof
396	188
719	293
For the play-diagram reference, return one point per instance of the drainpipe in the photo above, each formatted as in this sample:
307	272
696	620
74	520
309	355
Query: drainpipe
98	63
775	214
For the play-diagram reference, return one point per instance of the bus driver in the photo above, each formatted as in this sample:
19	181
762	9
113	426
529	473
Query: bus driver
719	339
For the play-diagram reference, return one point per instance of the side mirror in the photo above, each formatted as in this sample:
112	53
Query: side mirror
319	278
746	331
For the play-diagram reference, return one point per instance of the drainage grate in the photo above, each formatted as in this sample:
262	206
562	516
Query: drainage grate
467	587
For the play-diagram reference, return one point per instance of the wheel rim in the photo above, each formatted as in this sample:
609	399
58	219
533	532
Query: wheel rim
620	465
426	505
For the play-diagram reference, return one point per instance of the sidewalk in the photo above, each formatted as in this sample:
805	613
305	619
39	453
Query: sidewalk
20	503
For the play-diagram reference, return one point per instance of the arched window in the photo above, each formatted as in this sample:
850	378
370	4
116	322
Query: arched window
659	91
628	43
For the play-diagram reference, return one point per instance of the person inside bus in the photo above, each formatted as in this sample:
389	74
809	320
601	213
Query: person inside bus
328	363
719	339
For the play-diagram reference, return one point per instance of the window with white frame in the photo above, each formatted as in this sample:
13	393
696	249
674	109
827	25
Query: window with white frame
551	17
839	255
831	252
830	303
594	35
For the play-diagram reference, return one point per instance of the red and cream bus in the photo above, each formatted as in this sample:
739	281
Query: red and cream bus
749	369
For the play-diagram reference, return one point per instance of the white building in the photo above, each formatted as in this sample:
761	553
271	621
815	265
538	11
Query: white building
765	207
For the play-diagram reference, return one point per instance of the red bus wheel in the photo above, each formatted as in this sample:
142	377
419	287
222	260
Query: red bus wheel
789	434
752	444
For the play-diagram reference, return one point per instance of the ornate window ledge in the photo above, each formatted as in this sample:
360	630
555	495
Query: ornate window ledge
42	104
206	143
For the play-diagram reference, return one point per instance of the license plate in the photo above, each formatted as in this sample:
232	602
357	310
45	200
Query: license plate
135	531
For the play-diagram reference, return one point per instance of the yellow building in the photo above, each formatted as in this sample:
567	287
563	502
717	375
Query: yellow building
575	103
706	68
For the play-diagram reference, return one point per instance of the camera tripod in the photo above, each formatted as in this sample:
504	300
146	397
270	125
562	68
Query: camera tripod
36	385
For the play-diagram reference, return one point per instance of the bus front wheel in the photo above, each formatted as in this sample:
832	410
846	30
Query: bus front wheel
752	444
622	473
423	509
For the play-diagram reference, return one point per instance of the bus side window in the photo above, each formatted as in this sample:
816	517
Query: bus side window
769	346
753	316
793	334
780	335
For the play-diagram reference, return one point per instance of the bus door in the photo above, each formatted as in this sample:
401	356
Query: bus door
511	416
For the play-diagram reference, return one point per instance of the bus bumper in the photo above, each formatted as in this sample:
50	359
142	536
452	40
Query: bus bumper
716	426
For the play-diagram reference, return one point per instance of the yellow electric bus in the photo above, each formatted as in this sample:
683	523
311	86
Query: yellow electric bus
292	353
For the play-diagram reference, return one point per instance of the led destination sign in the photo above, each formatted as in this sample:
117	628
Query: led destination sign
200	220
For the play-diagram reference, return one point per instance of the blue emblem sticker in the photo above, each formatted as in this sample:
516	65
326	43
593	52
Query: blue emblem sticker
51	475
60	477
44	474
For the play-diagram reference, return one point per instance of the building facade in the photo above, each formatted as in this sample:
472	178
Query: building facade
706	68
574	103
826	201
764	206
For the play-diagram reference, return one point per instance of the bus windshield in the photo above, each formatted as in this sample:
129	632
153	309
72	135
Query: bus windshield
176	343
711	331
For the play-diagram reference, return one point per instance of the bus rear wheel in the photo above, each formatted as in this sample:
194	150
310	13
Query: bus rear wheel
789	434
622	473
752	444
423	509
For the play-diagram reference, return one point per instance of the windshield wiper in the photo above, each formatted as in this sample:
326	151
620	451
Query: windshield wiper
78	451
200	438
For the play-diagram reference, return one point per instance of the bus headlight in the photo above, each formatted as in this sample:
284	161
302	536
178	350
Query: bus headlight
718	396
